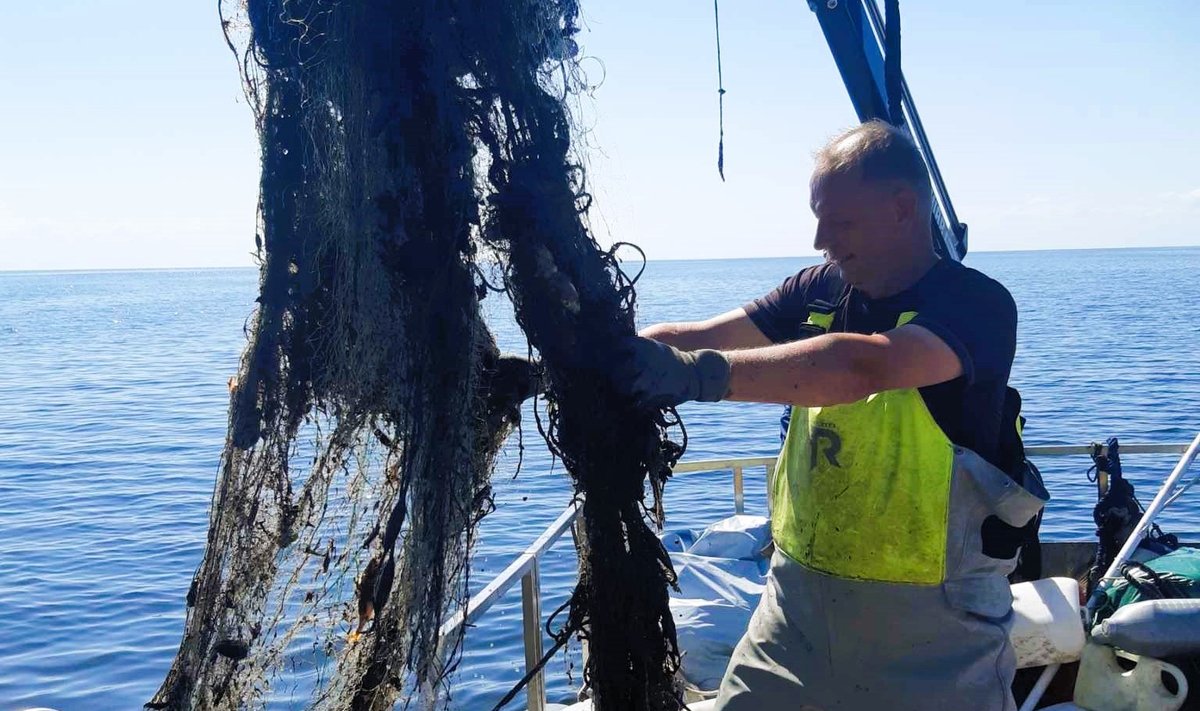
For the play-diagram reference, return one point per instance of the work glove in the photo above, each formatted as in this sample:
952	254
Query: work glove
511	380
657	375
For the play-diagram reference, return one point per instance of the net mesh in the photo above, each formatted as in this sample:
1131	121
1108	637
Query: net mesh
405	145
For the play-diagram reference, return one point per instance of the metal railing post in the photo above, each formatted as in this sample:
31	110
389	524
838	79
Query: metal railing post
770	486
739	494
531	622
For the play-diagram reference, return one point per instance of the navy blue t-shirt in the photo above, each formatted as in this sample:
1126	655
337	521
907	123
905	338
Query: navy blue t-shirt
972	313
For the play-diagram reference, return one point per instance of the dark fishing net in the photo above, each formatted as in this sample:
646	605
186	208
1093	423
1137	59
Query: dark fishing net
399	139
573	302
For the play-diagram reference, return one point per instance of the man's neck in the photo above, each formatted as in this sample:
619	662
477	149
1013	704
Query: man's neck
905	274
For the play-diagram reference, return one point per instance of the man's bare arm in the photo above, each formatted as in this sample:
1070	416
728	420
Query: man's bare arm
839	368
732	330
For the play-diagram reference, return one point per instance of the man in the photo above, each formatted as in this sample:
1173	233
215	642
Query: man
885	591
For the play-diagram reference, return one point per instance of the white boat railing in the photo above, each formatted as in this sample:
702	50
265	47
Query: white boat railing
525	567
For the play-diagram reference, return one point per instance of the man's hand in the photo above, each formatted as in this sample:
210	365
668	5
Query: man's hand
510	381
657	375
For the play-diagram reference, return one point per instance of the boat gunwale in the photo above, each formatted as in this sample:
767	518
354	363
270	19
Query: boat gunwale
525	567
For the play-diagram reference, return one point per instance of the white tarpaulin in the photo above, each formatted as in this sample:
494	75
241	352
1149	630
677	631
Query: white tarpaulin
721	577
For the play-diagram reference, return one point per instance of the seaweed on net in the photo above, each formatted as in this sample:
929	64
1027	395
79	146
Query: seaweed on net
368	407
573	302
368	333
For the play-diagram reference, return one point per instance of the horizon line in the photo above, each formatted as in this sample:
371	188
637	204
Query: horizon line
58	270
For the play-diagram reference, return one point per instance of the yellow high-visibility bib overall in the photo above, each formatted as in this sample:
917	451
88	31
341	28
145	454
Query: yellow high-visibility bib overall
880	596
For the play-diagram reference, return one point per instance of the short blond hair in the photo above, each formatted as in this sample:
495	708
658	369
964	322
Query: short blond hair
878	151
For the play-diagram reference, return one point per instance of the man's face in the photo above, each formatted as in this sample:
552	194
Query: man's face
859	224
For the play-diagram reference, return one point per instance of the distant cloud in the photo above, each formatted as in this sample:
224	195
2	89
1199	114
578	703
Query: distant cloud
1187	197
1064	218
1179	209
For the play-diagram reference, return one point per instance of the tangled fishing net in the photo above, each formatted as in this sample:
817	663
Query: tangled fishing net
408	148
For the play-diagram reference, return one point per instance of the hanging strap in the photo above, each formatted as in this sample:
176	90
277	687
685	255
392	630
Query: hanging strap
720	96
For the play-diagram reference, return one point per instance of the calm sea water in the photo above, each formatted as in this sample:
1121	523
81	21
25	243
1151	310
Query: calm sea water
112	416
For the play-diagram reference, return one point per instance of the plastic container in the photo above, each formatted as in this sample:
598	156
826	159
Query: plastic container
1156	628
1103	685
1046	625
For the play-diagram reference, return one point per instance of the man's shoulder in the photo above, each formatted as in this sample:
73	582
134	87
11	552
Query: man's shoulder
972	288
820	282
779	313
825	271
959	272
975	316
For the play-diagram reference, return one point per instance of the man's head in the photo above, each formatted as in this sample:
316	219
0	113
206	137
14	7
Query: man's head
872	200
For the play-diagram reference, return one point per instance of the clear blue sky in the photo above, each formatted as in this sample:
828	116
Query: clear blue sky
124	141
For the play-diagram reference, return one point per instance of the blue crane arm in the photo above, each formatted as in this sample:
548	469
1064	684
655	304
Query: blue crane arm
856	36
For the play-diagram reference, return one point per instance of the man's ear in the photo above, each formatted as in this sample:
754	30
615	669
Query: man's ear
904	202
